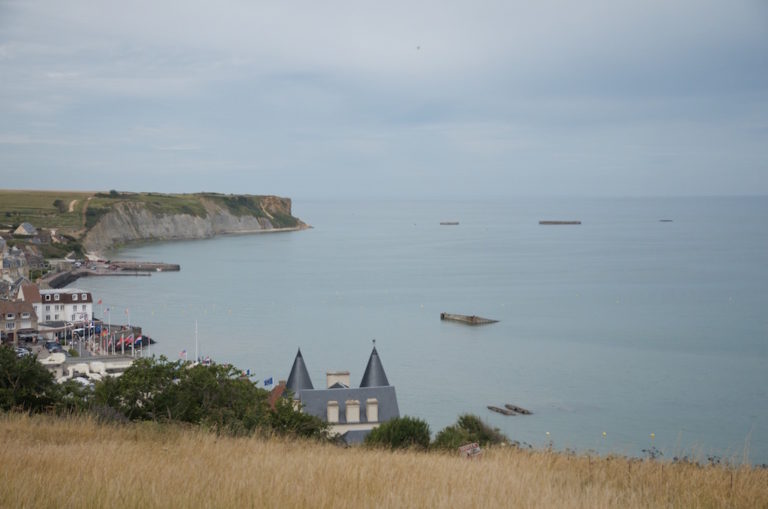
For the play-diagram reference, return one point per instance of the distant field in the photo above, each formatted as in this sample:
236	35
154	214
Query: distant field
37	207
75	462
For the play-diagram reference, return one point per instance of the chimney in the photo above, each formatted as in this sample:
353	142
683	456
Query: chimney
353	411
332	412
332	377
372	409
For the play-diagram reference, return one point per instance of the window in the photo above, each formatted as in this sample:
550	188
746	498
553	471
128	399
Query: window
48	307
48	298
9	325
56	316
10	316
74	296
56	296
25	316
47	317
84	296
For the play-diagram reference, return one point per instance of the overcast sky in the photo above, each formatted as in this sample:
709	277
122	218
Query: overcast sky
398	98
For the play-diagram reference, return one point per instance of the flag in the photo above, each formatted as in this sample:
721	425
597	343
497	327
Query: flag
126	311
140	340
268	382
99	301
183	353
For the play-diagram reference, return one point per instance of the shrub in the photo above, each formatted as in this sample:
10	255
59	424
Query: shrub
401	433
451	437
285	420
25	384
468	428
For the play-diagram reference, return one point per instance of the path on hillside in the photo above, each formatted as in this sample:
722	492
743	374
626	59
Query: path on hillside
72	205
82	230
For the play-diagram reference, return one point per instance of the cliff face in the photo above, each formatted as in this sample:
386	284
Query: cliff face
132	221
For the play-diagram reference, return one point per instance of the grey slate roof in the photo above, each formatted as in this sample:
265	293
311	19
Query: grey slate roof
374	375
316	402
299	379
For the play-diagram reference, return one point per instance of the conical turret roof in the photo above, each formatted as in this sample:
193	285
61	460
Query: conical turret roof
374	375
299	379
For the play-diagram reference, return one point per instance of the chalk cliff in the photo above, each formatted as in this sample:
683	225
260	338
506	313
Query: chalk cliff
126	221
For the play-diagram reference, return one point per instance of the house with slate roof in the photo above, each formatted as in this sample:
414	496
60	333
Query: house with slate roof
26	230
352	412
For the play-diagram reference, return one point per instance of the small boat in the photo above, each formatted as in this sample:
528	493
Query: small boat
504	411
468	319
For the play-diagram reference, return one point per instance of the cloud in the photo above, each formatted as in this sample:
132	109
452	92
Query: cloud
333	92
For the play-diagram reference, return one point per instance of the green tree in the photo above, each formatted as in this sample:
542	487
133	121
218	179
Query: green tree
286	420
25	384
401	433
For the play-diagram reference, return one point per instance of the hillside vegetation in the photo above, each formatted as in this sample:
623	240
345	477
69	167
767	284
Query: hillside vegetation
44	209
77	462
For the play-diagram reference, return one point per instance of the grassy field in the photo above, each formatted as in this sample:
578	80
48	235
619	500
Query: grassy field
37	207
49	462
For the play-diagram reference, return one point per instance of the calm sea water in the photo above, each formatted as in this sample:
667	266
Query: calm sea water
624	324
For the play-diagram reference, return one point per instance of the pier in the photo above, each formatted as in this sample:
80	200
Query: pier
111	268
549	223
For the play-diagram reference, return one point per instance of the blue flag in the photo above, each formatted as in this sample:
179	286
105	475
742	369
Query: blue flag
268	381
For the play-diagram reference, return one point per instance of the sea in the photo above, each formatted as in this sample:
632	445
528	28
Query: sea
643	331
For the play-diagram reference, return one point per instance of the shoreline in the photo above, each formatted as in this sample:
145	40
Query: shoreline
99	255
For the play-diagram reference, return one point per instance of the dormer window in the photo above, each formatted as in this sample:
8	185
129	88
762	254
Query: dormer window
10	316
25	316
48	298
56	297
74	296
84	296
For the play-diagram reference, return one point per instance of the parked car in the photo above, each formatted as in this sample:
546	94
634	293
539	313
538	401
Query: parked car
53	347
22	352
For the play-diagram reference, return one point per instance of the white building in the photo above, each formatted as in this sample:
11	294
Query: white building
67	304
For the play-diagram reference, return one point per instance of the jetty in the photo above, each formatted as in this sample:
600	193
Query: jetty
559	222
499	410
146	266
103	268
468	319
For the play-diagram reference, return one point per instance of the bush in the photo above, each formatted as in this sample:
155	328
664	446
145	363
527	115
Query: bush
452	437
285	420
401	433
468	428
216	397
25	384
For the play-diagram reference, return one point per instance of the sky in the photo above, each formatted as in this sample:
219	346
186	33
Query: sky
408	99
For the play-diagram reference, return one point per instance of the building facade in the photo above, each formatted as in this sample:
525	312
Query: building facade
351	412
16	317
66	304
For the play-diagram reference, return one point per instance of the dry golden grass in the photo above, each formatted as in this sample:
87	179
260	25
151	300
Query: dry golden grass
48	462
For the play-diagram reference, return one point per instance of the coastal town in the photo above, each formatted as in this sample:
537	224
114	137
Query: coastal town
69	330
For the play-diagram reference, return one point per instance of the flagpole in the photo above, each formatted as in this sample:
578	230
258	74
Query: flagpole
196	354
